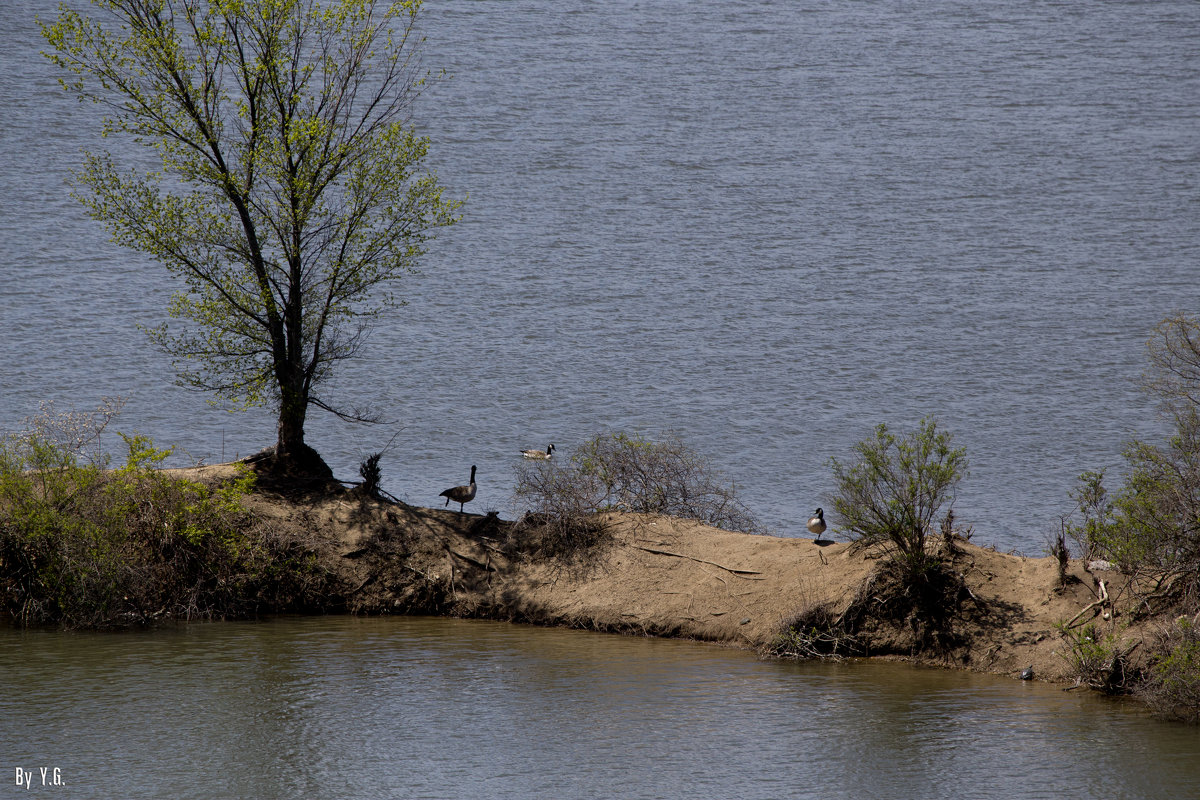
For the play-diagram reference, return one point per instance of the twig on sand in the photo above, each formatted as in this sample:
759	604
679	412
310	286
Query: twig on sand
712	575
738	572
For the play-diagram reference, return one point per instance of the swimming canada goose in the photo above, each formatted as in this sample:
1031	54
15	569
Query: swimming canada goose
544	455
816	524
1027	673
461	494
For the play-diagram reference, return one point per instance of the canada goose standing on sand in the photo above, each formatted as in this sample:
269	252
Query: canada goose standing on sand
544	455
816	524
461	494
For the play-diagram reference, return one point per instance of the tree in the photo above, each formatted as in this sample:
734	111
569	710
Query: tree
1174	374
1160	504
892	494
1152	523
291	198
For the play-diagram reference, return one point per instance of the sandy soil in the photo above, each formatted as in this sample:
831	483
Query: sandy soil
670	577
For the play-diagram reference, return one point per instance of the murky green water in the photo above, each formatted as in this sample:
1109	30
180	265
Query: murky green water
428	708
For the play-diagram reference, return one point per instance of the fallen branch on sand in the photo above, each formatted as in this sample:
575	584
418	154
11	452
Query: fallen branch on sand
738	572
486	566
1103	600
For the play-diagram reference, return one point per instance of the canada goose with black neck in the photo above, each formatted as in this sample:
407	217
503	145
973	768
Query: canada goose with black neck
543	455
816	524
461	494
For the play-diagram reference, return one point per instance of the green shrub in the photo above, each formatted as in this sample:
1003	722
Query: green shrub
1155	525
892	494
1097	660
1095	510
1159	507
892	497
82	546
1152	524
1172	684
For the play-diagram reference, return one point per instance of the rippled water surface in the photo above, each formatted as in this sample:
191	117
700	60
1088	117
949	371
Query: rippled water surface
424	708
764	226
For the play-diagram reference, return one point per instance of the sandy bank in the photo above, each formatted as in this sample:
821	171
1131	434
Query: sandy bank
670	577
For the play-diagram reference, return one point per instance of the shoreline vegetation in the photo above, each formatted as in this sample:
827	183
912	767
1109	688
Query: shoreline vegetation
220	542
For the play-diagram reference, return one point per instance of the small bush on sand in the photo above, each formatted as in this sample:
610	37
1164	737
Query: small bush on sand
891	612
892	497
562	518
893	492
622	472
371	475
83	546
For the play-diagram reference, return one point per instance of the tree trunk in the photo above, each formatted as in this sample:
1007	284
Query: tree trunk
290	431
292	456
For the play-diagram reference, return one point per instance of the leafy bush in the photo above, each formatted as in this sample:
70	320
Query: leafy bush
892	493
1158	510
1172	684
1095	510
891	497
622	472
1097	661
1151	526
87	547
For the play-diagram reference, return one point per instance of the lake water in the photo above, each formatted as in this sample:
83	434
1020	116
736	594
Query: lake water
766	227
426	708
